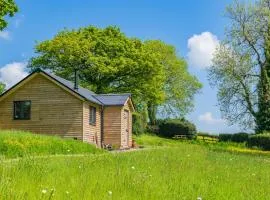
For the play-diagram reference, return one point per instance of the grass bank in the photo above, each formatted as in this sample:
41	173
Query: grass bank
21	144
147	140
175	170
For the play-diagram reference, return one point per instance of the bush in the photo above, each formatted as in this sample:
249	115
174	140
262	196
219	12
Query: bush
240	137
237	137
153	129
261	140
171	127
207	135
138	125
225	137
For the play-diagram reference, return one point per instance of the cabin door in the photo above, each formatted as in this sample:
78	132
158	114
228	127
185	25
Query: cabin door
126	127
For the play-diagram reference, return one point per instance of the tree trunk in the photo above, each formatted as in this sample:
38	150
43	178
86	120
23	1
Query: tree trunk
263	115
152	112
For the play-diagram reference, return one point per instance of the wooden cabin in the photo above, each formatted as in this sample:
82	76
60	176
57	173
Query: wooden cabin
44	103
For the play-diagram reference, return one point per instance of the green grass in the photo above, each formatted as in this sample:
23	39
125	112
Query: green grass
20	144
168	170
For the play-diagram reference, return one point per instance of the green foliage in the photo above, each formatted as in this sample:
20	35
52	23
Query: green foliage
171	127
2	87
110	62
241	69
21	144
240	137
179	87
260	140
7	7
207	135
236	137
138	125
224	137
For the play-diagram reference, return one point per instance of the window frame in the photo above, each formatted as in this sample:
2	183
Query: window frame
14	110
92	117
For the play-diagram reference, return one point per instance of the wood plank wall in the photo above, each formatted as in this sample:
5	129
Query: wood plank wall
53	110
127	107
112	125
91	133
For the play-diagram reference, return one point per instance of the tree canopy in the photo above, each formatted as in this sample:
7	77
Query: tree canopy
7	8
108	61
2	87
241	69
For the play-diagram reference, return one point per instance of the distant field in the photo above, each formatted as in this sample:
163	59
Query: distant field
165	169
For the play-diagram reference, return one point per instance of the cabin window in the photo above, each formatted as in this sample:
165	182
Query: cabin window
22	110
92	115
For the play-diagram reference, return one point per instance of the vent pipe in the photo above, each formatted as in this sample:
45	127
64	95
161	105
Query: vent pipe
76	81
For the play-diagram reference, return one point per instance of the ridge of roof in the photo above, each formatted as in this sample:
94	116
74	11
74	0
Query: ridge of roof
110	94
100	99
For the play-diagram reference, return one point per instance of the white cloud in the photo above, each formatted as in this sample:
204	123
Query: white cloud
12	73
5	35
209	119
201	49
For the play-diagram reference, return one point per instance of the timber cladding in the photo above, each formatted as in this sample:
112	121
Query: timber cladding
53	110
126	124
91	132
116	127
59	109
112	125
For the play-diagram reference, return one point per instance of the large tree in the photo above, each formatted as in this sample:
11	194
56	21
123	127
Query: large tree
109	61
180	86
241	66
7	8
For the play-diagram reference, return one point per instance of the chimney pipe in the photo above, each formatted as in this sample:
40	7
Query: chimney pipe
76	81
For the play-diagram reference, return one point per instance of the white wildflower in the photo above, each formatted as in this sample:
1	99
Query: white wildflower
43	191
68	150
67	192
110	192
132	167
199	198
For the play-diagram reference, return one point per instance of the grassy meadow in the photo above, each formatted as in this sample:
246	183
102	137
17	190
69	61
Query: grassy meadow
22	144
164	169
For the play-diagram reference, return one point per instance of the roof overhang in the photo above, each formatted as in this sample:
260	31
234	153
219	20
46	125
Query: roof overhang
33	75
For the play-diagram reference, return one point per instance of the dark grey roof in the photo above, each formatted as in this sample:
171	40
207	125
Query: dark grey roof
81	91
101	99
112	99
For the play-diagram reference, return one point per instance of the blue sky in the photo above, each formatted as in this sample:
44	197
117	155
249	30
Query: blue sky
194	27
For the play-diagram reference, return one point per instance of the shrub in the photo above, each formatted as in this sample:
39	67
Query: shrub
171	127
207	135
237	137
153	129
138	125
225	137
261	140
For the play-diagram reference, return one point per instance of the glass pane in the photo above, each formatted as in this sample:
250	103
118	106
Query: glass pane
22	109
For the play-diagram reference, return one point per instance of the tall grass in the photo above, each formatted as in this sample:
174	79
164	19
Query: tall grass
20	144
183	172
176	170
